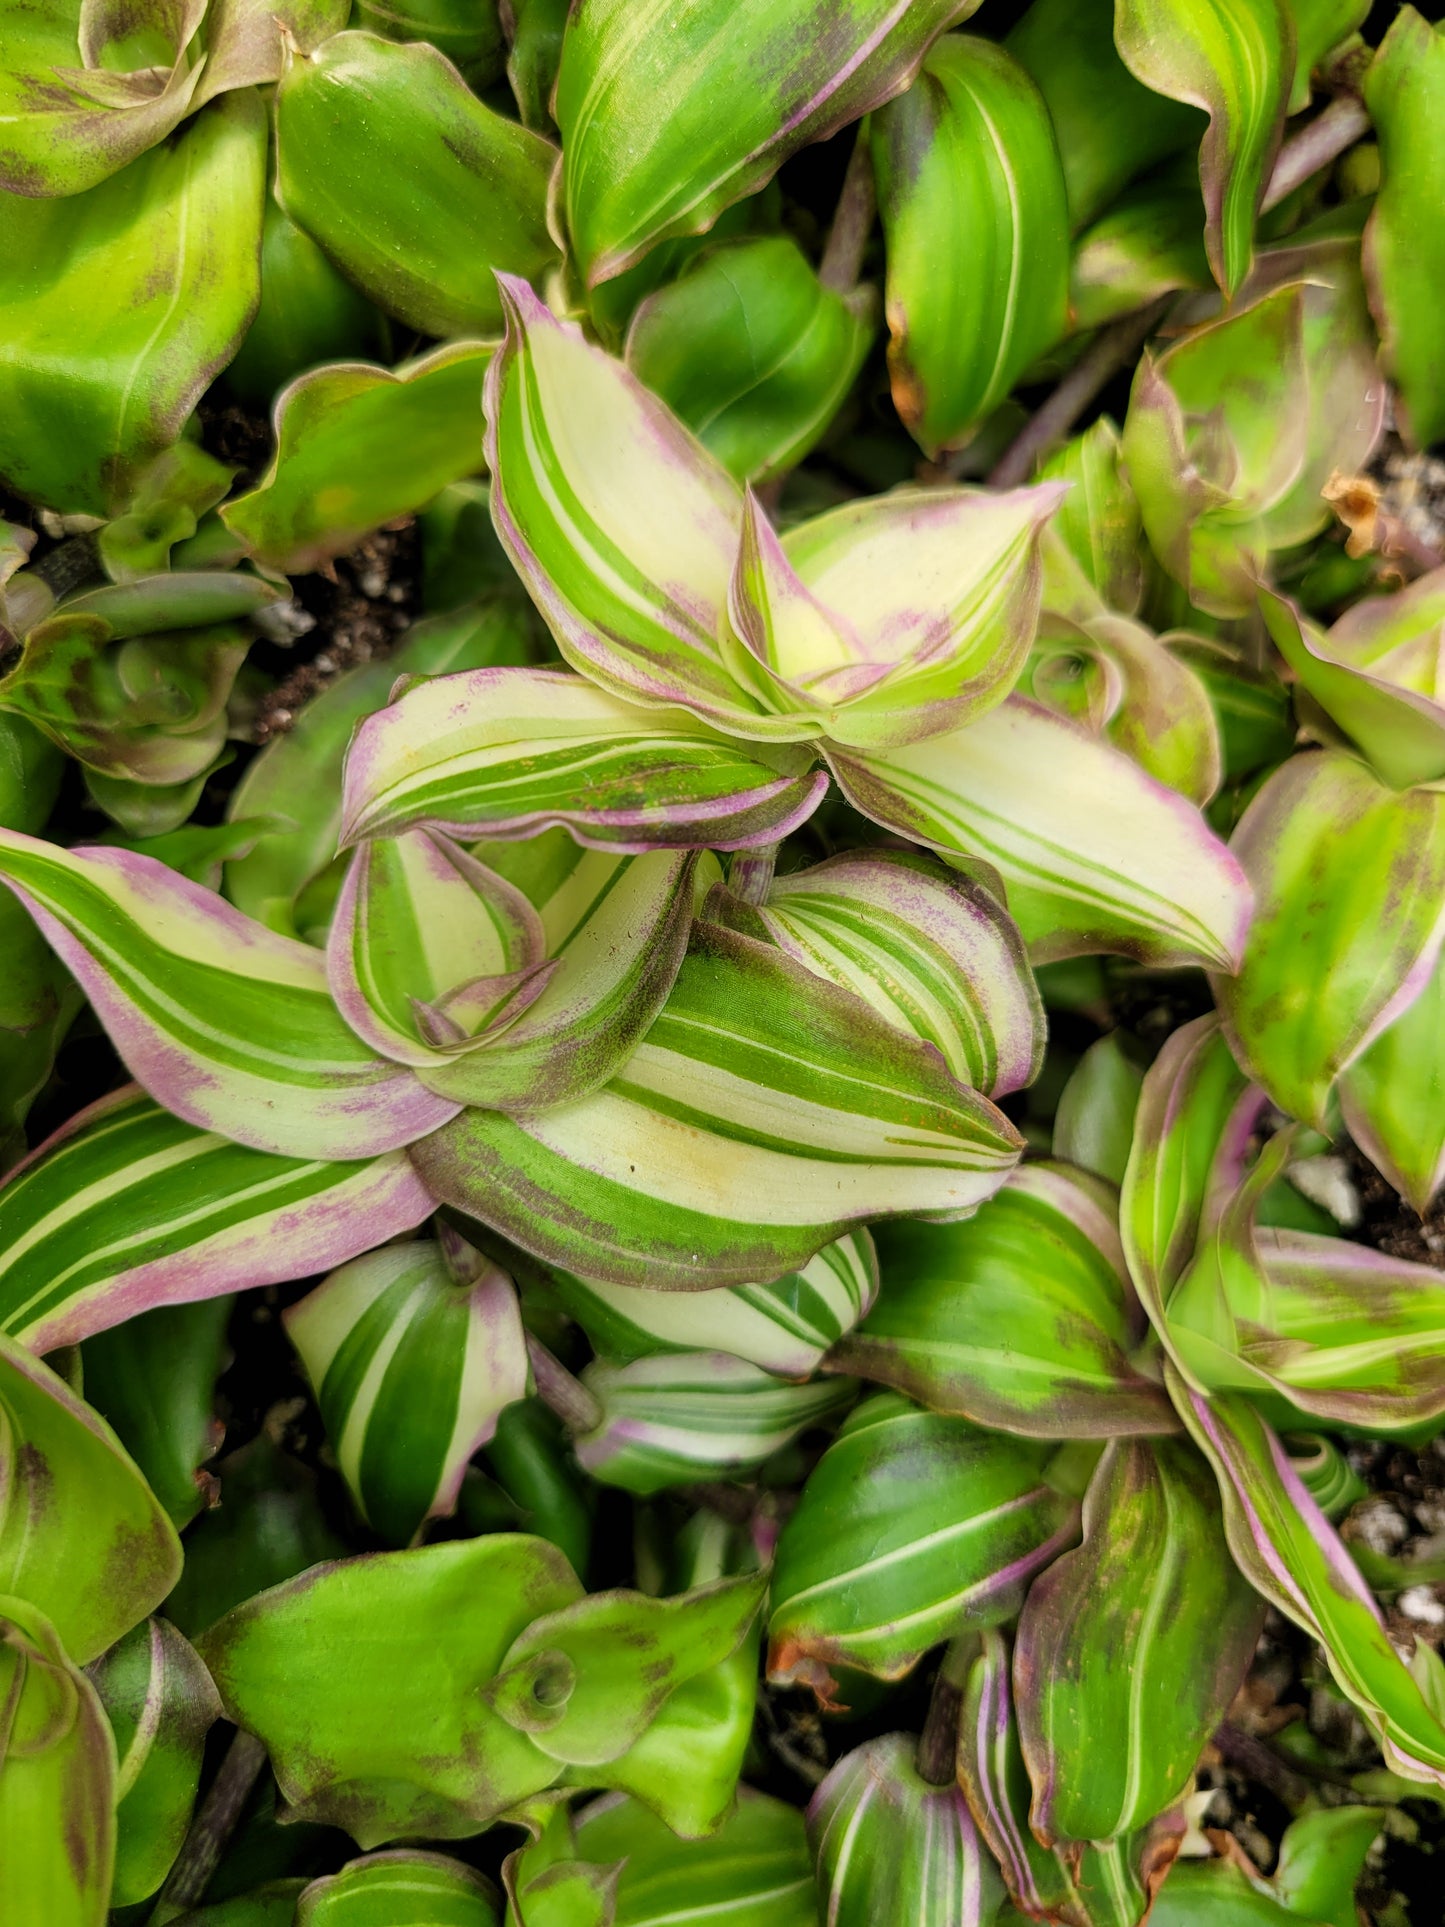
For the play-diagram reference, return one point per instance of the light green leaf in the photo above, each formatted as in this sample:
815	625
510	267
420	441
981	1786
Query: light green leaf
1320	26
1321	1857
456	190
1393	1097
730	91
127	1207
910	1528
229	1025
1350	881
1131	1647
1094	1122
1235	59
117	267
160	1703
428	1889
1022	1318
411	1365
1404	89
57	1780
1147	245
751	350
1097	524
975	211
357	446
81	1534
1062	816
471	35
753	1872
764	1114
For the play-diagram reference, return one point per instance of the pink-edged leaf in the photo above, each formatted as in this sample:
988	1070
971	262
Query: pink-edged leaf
224	1022
127	1207
1393	1097
507	752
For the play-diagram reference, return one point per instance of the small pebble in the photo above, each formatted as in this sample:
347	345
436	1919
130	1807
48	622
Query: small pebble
1421	1602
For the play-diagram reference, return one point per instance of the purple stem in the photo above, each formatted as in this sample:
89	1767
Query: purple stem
852	222
1340	125
937	1756
750	873
567	1396
211	1829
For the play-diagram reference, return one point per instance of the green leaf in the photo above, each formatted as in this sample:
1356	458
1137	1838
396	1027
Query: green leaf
1321	1857
1289	1552
1349	879
81	1534
271	1905
1131	1648
470	35
357	446
411	1366
784	1325
1094	1122
1097	525
57	1780
764	1114
889	1846
1147	245
1062	816
910	1528
975	212
536	52
752	351
160	1703
297	776
429	1889
114	266
346	1743
1109	128
731	91
506	752
1218	1893
127	1207
228	1024
754	1871
1320	26
308	314
154	1379
1235	59
172	494
1393	1097
1021	1318
684	1416
1404	89
416	190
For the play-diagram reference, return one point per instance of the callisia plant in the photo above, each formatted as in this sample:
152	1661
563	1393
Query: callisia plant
722	1056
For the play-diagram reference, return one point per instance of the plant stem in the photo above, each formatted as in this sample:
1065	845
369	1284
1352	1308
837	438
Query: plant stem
210	1830
567	1396
1114	349
852	221
750	873
937	1755
1339	126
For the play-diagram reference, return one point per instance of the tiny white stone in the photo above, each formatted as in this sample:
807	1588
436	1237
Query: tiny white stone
1420	1602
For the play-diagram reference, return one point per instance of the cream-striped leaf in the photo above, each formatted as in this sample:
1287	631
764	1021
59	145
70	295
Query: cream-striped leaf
427	1889
224	1022
911	1528
1096	854
753	1872
497	996
411	1367
765	1114
932	951
128	1207
507	752
785	1325
682	1416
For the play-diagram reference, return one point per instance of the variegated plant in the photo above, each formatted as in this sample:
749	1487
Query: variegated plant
712	1137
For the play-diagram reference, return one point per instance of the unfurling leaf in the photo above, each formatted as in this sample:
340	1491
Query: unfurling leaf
118	266
57	1780
1020	1318
1131	1647
415	189
160	1703
82	1537
911	1528
890	1846
358	446
1404	89
127	1207
508	752
411	1367
1235	59
975	211
1062	816
684	1416
752	352
764	1114
785	1325
731	91
1349	877
228	1024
